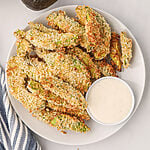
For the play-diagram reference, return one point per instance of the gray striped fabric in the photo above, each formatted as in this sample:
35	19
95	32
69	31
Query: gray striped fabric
14	135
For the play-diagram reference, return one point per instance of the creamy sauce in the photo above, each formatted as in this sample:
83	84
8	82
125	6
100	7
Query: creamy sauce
109	101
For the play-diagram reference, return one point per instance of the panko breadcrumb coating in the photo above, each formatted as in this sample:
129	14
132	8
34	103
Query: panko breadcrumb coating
55	102
61	121
51	40
87	60
36	105
92	28
115	51
16	82
41	27
59	20
23	47
48	40
126	47
106	69
39	71
103	47
67	67
19	34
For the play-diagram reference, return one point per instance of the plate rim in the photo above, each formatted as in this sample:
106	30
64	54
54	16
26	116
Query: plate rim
140	97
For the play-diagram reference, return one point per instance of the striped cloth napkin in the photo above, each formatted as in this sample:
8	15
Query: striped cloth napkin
14	135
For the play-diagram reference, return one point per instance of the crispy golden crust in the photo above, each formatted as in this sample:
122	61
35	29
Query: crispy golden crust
67	67
16	82
47	40
81	14
40	72
82	115
104	31
65	23
51	40
19	34
92	27
87	60
36	105
59	20
53	101
106	69
115	51
42	28
126	47
61	121
87	19
23	47
44	72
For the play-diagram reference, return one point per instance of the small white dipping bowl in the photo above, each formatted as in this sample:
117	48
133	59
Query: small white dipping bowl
130	90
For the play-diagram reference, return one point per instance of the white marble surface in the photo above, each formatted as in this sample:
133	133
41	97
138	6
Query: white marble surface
135	14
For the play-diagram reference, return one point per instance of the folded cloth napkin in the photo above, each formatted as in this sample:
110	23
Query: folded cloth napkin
14	135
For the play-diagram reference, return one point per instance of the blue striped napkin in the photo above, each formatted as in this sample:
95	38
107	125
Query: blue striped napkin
14	135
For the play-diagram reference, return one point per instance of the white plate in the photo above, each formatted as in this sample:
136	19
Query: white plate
134	76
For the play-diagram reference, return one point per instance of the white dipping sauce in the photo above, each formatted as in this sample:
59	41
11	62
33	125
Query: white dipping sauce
109	100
